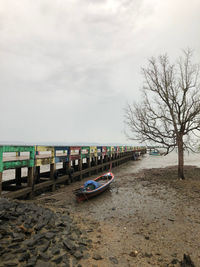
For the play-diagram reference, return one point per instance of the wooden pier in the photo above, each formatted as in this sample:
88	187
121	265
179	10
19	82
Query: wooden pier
75	162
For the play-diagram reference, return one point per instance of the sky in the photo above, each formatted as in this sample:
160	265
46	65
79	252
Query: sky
68	68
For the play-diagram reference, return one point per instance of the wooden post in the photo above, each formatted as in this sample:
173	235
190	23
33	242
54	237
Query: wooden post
52	172
113	164
1	168
65	166
18	175
89	166
101	162
73	166
96	163
37	174
30	176
80	168
1	175
31	180
69	171
106	160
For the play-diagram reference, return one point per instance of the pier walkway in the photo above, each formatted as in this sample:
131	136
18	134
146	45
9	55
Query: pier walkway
64	164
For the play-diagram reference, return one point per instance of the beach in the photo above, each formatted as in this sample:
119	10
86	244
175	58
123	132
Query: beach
149	217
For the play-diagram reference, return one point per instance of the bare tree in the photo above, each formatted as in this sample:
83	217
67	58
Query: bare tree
169	113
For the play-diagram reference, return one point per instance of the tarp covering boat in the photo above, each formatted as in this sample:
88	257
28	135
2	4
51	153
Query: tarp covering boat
94	187
91	182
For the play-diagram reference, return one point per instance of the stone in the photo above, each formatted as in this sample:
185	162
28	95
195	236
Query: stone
113	260
77	232
19	250
49	235
78	255
73	236
5	252
69	244
31	262
10	264
83	242
97	257
66	219
33	238
38	236
56	230
133	253
18	238
66	261
15	245
175	261
45	246
55	251
67	231
148	255
8	257
43	264
5	230
33	241
39	226
74	262
60	224
57	259
5	242
82	248
90	230
43	256
24	257
86	256
34	251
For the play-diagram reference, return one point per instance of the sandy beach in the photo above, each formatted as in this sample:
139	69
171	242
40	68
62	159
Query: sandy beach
149	217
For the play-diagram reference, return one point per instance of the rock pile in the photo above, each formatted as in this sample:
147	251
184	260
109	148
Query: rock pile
31	235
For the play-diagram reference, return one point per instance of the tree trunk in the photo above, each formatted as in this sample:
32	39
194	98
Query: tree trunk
180	158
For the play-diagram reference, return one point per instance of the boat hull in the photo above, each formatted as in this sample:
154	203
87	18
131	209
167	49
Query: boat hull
84	195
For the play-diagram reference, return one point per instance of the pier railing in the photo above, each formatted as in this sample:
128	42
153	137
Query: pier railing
40	165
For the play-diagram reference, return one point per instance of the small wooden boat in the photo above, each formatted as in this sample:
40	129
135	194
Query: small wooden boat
155	152
94	187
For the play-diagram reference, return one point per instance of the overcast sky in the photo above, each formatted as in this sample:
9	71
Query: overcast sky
68	67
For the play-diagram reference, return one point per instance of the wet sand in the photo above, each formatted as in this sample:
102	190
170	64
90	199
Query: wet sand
149	217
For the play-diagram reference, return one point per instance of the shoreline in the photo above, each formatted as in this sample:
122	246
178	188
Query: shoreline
144	220
149	217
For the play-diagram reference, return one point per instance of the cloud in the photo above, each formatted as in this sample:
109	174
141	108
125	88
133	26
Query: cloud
77	62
